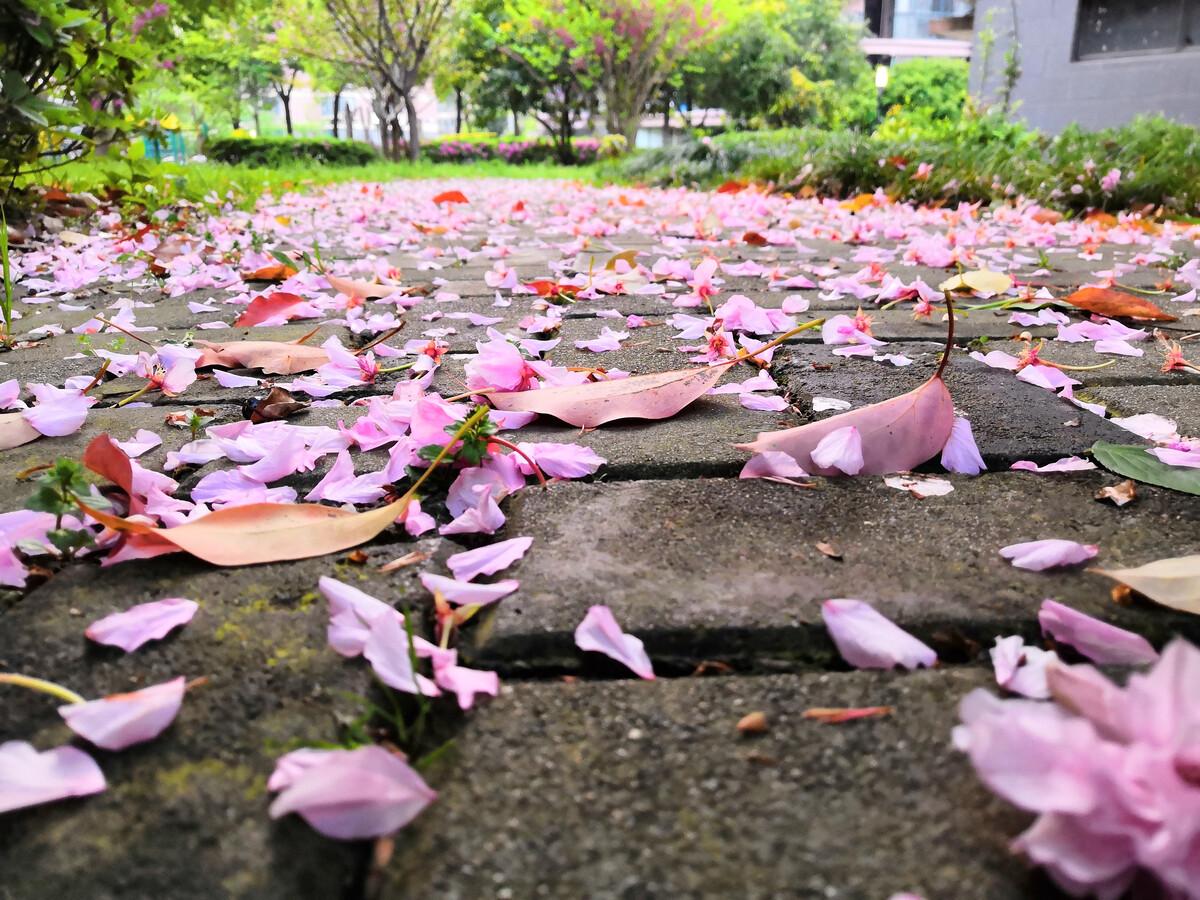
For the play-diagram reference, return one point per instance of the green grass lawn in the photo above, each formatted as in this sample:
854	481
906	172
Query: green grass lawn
155	184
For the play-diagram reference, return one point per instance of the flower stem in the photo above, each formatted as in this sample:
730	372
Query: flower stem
40	684
145	390
772	344
126	331
537	470
380	339
470	422
396	368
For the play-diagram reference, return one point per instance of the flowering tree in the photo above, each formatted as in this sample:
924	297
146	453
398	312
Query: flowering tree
397	39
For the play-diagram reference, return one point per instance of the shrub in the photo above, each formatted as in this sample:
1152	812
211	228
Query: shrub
979	158
65	81
934	88
274	152
477	146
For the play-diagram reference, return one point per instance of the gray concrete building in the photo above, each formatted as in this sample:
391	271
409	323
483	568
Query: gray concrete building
1095	62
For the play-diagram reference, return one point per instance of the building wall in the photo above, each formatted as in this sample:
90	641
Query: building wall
1055	90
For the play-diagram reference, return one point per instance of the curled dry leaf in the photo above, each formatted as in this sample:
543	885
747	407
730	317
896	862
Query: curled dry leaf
837	714
897	435
408	559
269	306
362	290
1173	582
1117	305
263	532
278	404
275	271
753	723
829	550
1119	494
657	396
271	357
15	431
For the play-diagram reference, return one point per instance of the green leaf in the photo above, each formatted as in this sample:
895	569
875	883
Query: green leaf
1132	461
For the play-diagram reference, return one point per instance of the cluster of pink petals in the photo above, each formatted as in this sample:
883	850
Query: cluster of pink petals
362	625
1112	772
349	795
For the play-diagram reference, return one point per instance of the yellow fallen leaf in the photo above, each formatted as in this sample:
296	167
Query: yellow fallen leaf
983	281
1173	582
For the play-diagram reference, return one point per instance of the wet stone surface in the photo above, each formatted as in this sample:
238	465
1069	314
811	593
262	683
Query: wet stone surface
730	570
616	790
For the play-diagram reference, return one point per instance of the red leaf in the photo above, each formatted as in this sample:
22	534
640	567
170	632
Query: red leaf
107	460
754	239
451	197
732	187
269	307
1117	305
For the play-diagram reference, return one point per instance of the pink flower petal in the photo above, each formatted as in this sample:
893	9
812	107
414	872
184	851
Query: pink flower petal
1067	464
122	720
961	453
59	411
144	622
1100	642
600	632
466	593
388	651
773	465
1171	456
28	777
464	683
353	794
488	560
1038	555
1020	668
142	442
841	449
868	640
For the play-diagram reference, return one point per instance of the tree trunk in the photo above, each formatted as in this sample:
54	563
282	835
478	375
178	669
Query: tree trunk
666	123
257	124
286	100
337	110
349	123
414	129
516	122
385	139
397	139
458	110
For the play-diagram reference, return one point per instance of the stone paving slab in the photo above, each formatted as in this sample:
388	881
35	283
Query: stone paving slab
1145	369
1178	402
185	816
623	790
729	569
1011	420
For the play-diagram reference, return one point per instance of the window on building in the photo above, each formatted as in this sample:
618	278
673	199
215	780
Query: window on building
929	18
1122	27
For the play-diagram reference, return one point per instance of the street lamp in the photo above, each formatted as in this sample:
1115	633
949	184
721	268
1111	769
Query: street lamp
881	83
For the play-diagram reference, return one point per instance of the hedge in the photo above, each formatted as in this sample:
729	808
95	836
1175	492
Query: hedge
981	158
272	152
